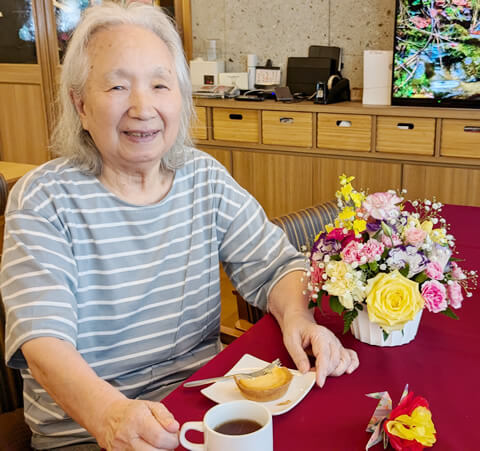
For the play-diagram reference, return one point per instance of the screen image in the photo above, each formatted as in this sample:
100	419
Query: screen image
437	53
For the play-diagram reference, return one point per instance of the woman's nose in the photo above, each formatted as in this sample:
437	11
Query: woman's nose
141	105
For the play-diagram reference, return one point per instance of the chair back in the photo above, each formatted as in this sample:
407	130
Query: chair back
301	228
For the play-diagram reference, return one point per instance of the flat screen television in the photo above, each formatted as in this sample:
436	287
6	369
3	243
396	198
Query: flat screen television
436	57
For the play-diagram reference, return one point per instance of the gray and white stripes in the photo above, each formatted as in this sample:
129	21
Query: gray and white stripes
134	288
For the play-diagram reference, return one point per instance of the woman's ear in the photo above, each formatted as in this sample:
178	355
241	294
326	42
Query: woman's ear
79	106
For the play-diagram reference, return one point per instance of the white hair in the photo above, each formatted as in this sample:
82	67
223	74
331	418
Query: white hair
69	138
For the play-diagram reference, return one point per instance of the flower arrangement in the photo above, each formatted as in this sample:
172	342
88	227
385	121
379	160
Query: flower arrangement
387	255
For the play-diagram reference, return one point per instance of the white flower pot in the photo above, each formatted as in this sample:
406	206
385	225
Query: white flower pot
364	330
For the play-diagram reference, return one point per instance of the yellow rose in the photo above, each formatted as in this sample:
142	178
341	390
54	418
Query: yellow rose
392	300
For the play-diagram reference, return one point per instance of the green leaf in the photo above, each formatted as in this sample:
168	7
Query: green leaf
335	305
312	304
385	335
404	271
450	313
421	277
373	266
348	318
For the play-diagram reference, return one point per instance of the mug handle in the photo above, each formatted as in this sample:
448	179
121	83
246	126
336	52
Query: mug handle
191	426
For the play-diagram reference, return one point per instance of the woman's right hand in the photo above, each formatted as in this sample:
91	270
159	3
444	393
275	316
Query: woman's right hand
138	425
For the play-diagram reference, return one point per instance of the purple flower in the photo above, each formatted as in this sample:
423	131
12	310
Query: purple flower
399	257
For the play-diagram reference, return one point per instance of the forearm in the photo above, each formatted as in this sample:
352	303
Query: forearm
286	298
70	381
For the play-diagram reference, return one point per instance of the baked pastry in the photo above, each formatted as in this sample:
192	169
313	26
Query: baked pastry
268	387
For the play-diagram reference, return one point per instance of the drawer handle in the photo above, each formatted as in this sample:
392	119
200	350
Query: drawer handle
344	123
471	129
405	126
236	116
286	120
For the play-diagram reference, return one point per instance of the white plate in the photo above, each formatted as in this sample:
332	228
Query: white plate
228	391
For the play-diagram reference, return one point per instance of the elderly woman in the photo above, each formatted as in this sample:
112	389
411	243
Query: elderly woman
110	267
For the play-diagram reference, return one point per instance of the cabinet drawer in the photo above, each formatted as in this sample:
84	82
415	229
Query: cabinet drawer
287	128
235	125
344	131
412	135
199	126
460	138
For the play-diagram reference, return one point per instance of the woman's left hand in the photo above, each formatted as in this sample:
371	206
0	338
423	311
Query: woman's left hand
331	358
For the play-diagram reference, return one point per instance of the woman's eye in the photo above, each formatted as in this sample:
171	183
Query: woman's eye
161	86
116	88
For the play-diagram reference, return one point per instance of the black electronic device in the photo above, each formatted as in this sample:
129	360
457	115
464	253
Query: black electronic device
303	73
337	89
283	94
436	56
250	98
325	51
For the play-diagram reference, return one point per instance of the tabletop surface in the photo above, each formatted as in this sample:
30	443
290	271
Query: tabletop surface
442	364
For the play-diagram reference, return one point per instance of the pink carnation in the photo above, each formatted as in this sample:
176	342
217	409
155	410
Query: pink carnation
415	236
382	205
391	242
434	294
371	249
351	253
454	291
457	272
434	270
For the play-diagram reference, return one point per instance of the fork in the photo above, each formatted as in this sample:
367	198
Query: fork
255	373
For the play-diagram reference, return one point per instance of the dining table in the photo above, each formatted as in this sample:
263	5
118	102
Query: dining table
442	364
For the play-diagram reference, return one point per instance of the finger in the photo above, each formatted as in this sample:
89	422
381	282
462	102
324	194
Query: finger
154	433
297	353
354	361
164	416
343	364
335	356
321	350
139	444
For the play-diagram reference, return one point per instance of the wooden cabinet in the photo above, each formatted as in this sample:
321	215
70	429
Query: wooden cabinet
460	138
235	125
287	128
289	156
344	131
409	135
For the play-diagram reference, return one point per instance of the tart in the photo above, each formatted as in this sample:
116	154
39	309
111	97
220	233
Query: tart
268	387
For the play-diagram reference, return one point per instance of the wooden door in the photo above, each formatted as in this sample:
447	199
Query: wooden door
25	83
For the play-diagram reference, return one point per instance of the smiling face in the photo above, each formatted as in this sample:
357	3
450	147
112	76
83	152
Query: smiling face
131	104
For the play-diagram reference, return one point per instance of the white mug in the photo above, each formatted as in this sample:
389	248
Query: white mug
259	440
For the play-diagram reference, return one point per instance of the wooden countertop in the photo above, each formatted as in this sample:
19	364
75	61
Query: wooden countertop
345	108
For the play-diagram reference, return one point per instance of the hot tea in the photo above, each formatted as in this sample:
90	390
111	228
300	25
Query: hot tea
238	427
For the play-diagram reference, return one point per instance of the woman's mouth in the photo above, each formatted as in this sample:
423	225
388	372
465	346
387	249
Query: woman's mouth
140	134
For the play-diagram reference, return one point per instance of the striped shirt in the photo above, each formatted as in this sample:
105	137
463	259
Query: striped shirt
135	289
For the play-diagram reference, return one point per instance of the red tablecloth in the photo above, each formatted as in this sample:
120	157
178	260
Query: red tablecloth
442	364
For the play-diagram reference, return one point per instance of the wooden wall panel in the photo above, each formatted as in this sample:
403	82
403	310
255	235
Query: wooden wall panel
23	125
371	175
459	186
281	183
224	156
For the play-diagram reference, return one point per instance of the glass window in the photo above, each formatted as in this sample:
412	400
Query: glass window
17	32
